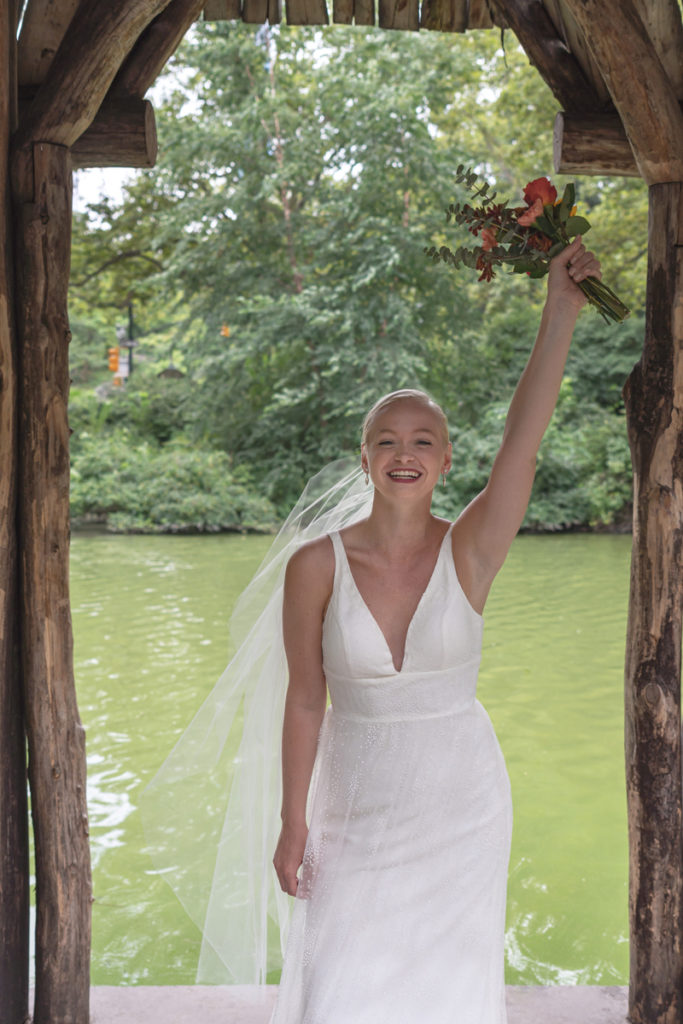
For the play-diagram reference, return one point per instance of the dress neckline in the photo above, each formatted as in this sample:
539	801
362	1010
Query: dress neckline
364	603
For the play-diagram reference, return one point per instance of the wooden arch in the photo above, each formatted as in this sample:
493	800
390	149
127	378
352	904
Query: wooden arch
72	85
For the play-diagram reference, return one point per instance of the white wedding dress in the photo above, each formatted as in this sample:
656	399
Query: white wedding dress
400	913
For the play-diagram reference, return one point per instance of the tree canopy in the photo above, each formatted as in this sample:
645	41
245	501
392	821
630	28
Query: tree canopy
275	256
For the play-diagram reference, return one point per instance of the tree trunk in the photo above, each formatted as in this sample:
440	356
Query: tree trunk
654	404
14	870
42	191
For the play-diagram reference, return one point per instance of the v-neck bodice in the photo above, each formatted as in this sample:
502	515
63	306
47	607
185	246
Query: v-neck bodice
441	653
340	554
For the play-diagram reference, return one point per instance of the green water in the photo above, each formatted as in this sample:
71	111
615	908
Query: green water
150	622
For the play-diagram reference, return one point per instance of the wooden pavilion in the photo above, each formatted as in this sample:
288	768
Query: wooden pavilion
73	76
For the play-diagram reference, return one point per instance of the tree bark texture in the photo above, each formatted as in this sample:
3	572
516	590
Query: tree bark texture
639	85
532	25
42	30
123	134
42	192
97	41
592	144
400	14
158	42
14	867
654	404
306	12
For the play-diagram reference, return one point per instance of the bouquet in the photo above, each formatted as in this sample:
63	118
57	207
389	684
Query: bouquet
524	237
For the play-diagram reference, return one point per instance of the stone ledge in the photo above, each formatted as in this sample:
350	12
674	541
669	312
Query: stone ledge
246	1004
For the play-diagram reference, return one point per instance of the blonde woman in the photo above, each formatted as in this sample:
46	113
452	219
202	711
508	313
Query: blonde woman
400	869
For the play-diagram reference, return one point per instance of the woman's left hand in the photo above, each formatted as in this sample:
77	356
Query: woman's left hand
568	268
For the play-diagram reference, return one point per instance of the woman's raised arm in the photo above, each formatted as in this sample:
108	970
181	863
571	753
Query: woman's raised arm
486	528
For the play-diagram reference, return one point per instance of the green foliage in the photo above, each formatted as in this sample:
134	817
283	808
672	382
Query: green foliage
138	488
301	175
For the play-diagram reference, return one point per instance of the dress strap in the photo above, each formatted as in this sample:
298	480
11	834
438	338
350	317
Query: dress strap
339	554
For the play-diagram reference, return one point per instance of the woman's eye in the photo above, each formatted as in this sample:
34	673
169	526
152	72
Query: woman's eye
383	444
428	443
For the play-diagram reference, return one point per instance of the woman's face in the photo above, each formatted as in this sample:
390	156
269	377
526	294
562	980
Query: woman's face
405	451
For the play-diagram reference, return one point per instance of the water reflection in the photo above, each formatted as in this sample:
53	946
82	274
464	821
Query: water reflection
150	622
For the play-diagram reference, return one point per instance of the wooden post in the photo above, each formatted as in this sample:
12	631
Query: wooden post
42	193
14	869
654	405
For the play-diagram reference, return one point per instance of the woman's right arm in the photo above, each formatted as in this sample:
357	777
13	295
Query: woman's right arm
308	585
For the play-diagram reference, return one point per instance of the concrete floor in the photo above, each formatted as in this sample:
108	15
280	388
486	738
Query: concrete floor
244	1004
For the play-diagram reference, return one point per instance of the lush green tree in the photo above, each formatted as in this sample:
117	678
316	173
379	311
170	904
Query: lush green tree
276	254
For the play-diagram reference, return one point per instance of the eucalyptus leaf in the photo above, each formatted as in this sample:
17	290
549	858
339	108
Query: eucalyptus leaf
576	226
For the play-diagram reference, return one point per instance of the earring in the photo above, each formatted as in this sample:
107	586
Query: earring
367	477
443	478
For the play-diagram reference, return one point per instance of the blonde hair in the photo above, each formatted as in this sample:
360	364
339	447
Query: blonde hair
397	396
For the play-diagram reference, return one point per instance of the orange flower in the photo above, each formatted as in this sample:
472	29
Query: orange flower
488	239
530	215
540	188
541	242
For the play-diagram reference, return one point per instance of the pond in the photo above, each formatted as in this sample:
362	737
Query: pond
151	637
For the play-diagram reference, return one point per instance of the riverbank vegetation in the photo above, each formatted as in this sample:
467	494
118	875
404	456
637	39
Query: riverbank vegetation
273	263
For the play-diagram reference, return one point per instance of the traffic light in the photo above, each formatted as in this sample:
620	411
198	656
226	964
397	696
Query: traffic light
113	354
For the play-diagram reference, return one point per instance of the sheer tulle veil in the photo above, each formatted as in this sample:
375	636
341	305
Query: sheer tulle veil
211	818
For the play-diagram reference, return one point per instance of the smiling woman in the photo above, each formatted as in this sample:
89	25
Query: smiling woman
400	867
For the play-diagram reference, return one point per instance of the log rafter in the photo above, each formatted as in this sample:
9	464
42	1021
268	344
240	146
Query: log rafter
154	47
645	100
548	52
42	30
97	41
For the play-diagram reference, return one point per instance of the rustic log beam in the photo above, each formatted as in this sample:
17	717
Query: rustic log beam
123	134
364	12
222	10
592	144
257	12
41	179
42	30
399	14
483	15
654	407
97	41
664	24
14	863
306	12
639	86
342	12
534	28
157	43
445	15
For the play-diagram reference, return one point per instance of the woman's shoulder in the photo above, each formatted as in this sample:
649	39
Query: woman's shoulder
313	557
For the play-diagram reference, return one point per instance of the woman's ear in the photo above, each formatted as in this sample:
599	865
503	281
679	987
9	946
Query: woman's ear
448	458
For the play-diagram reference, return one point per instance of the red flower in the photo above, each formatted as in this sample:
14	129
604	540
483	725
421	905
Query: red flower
530	215
542	242
540	188
488	239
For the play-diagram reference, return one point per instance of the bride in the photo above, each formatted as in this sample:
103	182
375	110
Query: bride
396	809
